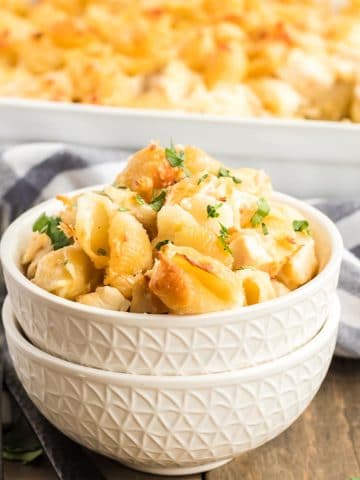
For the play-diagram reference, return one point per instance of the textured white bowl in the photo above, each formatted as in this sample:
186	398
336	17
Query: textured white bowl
172	344
172	425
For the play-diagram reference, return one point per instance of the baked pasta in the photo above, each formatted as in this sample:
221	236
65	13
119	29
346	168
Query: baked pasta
177	232
249	58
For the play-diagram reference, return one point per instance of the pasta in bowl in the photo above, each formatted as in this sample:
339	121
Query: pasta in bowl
179	253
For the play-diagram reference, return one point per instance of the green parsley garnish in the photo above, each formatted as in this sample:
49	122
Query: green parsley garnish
212	210
261	212
265	229
66	261
161	244
176	158
123	209
223	237
139	199
19	442
202	178
157	202
101	252
301	226
122	187
50	226
23	457
224	172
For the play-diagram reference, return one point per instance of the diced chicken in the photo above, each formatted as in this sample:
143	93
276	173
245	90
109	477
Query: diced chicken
301	266
108	298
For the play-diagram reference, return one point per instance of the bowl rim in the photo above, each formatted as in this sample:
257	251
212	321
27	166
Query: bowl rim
146	319
294	358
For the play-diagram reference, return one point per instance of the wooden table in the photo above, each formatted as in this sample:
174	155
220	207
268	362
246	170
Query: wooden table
323	444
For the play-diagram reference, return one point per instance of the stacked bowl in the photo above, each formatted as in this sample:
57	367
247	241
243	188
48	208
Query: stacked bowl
172	394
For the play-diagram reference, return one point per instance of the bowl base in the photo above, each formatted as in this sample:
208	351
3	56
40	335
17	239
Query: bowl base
172	471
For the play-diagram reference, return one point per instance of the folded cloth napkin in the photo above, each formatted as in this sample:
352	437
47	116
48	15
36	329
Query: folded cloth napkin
35	172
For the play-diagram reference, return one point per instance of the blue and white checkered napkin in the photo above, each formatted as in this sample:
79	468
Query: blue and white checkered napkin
35	172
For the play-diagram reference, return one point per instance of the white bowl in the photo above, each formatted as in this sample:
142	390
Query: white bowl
172	344
172	425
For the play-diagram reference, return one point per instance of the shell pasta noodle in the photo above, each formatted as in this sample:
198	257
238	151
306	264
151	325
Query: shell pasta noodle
183	234
249	58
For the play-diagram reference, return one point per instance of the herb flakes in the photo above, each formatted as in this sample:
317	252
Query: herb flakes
224	237
157	202
51	227
224	172
262	211
212	210
301	226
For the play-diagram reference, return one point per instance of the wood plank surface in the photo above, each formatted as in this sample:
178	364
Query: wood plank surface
323	444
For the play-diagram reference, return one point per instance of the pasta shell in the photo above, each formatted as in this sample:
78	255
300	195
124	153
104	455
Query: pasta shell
40	245
180	227
67	272
108	298
253	181
185	188
280	288
91	227
123	197
38	242
124	283
198	207
68	215
188	282
257	285
130	252
196	161
149	170
126	199
144	300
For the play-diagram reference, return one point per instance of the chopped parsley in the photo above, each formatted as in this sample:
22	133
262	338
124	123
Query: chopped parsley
123	209
20	456
176	158
122	187
139	199
101	252
212	210
224	172
19	442
261	212
159	245
66	261
202	178
51	226
301	226
157	202
224	237
265	228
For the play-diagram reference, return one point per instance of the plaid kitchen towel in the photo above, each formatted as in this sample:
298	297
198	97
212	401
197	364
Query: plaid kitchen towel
32	173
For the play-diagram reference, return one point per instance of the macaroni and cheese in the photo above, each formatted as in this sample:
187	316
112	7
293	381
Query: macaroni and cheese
177	232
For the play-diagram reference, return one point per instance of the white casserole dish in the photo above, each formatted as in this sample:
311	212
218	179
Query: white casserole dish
172	344
172	425
326	152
